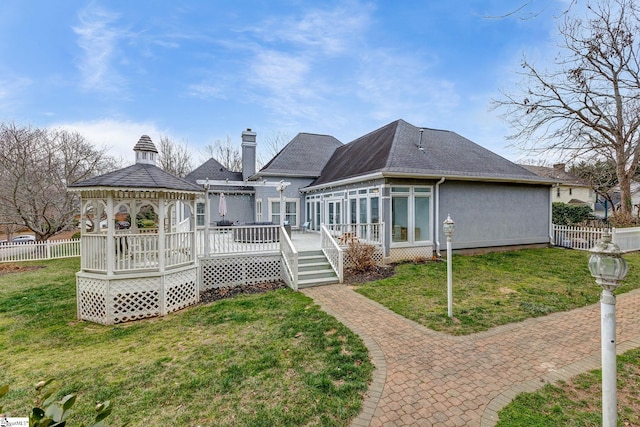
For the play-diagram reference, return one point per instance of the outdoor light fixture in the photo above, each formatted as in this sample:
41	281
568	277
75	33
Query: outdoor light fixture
606	263
609	268
449	226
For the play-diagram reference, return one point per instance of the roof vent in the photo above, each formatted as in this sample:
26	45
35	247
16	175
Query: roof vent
420	142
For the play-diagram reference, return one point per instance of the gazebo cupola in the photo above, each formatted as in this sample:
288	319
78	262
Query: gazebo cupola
146	151
138	256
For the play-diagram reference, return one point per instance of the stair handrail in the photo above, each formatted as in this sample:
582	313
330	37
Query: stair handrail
333	252
290	258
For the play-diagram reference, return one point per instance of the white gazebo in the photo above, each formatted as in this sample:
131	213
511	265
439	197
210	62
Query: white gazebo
138	244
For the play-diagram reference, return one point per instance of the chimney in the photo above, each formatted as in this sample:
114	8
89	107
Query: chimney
248	154
559	167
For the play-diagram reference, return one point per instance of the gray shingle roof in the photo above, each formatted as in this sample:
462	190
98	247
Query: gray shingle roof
394	148
304	156
140	175
213	170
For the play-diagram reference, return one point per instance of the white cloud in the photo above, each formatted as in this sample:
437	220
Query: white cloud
98	38
119	137
330	32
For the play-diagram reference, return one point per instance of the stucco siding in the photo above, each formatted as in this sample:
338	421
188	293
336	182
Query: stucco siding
240	208
495	214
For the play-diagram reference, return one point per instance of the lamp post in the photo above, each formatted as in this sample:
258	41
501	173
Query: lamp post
609	268
449	226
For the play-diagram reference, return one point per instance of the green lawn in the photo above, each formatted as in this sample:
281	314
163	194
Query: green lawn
577	402
493	289
260	360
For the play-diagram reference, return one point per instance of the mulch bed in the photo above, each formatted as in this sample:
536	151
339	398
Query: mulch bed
217	294
16	268
350	278
377	273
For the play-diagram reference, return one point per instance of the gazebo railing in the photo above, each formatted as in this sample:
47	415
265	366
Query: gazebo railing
135	251
93	249
178	248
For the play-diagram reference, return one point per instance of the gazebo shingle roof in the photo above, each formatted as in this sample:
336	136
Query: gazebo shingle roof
140	175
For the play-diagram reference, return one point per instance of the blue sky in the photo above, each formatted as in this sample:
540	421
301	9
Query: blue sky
199	71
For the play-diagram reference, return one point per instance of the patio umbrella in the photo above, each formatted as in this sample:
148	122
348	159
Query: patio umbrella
222	205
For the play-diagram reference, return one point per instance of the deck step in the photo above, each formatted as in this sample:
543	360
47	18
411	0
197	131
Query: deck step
314	270
317	282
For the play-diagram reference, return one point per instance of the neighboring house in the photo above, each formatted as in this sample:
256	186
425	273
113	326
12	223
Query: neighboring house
569	188
406	178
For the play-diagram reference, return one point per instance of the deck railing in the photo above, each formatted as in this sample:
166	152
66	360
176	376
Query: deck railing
289	259
333	252
371	233
239	238
37	251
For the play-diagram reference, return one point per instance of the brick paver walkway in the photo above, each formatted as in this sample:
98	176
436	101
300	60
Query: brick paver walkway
425	378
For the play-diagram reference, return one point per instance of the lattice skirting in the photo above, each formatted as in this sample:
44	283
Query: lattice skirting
116	300
240	269
410	253
378	257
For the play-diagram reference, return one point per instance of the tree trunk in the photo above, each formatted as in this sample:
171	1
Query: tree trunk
625	193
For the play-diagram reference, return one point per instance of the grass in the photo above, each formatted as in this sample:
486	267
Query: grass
268	359
578	402
493	289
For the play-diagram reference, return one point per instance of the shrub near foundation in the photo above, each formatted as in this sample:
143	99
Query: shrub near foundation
361	256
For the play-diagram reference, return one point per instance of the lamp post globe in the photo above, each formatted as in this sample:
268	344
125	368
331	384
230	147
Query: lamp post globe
449	227
609	268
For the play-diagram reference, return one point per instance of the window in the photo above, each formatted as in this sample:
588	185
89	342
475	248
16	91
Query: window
375	210
258	210
570	191
363	211
200	214
410	214
290	213
558	192
353	208
275	212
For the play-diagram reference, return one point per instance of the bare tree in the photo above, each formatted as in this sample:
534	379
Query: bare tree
601	177
174	158
588	105
36	165
225	153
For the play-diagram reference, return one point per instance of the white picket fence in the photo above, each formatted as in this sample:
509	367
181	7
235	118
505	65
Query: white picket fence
37	251
584	238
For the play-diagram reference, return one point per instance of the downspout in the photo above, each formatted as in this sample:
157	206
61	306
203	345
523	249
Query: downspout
438	217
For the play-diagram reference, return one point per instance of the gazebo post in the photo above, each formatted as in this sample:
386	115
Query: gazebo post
111	244
161	233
